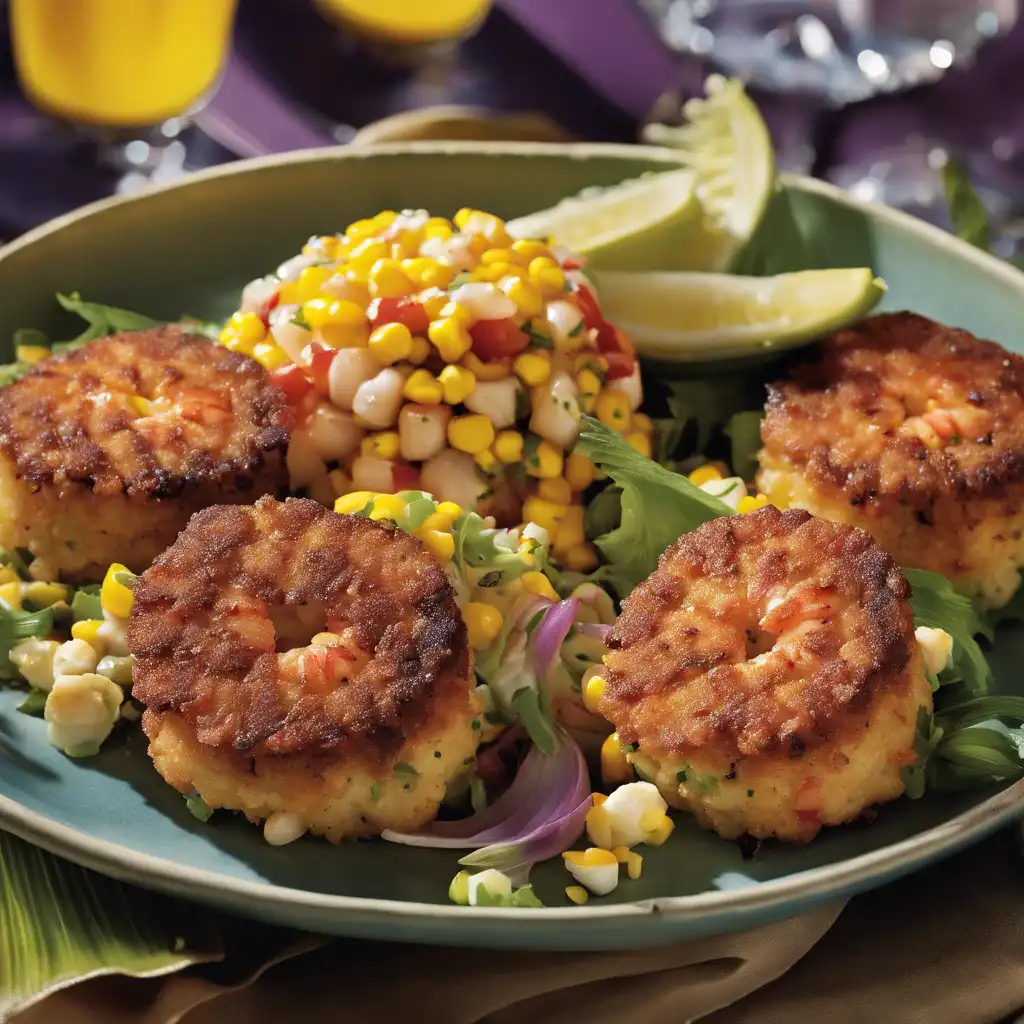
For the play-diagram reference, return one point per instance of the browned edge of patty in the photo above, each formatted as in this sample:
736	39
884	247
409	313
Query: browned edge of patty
403	609
801	409
655	642
36	420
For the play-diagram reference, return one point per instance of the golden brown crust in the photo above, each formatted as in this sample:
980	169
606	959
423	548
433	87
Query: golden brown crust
765	634
214	418
858	421
205	645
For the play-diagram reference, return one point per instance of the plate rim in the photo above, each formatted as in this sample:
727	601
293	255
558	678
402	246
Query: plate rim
116	860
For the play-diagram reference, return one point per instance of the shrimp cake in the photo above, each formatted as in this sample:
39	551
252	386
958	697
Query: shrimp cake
915	432
107	450
768	676
294	661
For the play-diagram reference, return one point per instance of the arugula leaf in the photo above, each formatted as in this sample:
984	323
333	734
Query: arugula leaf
102	320
938	605
744	433
780	244
658	506
704	403
975	756
966	210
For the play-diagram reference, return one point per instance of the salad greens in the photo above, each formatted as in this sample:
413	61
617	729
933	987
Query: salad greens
964	743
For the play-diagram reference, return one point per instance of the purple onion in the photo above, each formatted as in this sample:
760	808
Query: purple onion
550	634
596	630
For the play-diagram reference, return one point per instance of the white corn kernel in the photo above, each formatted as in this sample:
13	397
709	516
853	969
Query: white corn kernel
34	660
484	301
257	293
495	399
74	657
334	433
80	712
631	387
556	413
350	368
422	434
280	828
377	401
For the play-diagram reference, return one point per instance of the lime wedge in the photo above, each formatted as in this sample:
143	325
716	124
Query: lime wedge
636	225
686	317
725	142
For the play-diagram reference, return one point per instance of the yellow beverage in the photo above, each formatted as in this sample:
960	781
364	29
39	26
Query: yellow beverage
119	63
407	21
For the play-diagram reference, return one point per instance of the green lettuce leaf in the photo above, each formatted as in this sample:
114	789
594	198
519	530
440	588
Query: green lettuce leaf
966	210
744	433
101	320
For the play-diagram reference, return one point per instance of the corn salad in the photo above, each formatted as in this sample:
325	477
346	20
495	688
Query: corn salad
423	352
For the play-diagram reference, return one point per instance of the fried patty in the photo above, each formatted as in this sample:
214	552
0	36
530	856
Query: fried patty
107	450
355	728
768	675
914	431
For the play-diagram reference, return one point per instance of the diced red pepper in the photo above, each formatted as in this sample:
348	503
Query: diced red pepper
405	477
318	359
399	311
292	380
497	339
619	365
571	264
268	307
589	308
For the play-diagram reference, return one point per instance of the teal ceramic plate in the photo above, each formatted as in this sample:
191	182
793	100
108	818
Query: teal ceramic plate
188	249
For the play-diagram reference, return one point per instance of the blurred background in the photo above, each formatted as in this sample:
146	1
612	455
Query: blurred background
106	96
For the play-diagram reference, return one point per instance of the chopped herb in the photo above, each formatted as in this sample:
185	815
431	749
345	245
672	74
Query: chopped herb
540	336
535	622
494	717
198	808
475	724
86	604
300	320
437	753
404	768
461	278
681	775
750	792
33	704
530	451
523	406
644	777
375	792
126	579
577	330
490	579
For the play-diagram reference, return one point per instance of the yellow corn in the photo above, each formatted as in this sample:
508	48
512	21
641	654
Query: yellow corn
508	446
537	583
325	246
269	354
433	303
499	256
459	313
419	350
579	471
89	631
387	506
387	280
593	691
437	227
659	836
594	856
544	513
498	370
483	624
458	383
383	220
751	503
363	257
405	244
546	276
450	338
462	216
599	826
391	343
287	293
247	327
31	354
528	249
577	894
383	445
7	574
613	410
579	558
547	463
639	442
115	597
556	489
704	475
311	282
360	229
634	864
614	766
440	520
471	433
320	313
143	406
441	545
528	298
571	530
487	462
533	368
428	273
10	594
643	422
621	853
354	501
423	387
43	595
588	386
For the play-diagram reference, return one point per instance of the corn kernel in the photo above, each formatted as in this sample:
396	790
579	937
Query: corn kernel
89	631
387	506
383	220
311	282
343	336
614	766
528	249
355	501
492	274
441	545
340	481
577	894
639	442
555	489
391	343
546	276
533	368
483	624
634	865
115	597
508	446
8	575
320	313
10	594
454	311
537	583
593	691
571	530
524	295
143	406
438	227
420	350
579	471
471	433
588	386
641	421
363	257
423	387
613	410
599	826
579	558
288	293
458	383
443	518
31	354
621	853
704	475
498	369
247	326
270	355
233	343
659	836
450	338
433	303
598	798
751	503
387	280
382	446
487	462
360	229
651	819
43	595
462	216
547	461
405	243
544	513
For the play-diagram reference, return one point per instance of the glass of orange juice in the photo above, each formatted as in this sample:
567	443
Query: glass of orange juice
120	67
